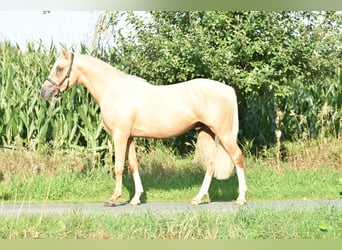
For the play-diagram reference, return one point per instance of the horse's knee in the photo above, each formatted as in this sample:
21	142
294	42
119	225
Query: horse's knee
210	167
118	170
233	150
238	158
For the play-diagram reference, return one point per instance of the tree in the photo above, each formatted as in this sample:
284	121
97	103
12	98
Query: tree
270	58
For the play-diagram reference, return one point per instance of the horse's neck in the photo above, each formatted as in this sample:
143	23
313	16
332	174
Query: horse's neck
97	76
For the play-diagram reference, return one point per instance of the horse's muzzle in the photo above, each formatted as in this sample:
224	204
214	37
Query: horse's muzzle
48	92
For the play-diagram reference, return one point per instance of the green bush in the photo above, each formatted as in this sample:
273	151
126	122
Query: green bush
284	63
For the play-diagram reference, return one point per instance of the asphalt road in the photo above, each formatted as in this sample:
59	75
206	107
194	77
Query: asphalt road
167	208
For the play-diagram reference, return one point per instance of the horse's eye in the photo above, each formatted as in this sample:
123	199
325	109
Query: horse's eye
59	69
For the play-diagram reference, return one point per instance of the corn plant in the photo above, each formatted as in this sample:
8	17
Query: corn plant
29	121
313	110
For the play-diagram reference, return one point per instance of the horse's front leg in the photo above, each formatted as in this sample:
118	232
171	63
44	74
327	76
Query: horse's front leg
133	165
120	146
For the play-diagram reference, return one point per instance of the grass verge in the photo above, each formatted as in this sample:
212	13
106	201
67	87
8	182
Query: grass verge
321	223
79	177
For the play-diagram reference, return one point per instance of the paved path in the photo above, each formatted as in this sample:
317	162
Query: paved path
159	207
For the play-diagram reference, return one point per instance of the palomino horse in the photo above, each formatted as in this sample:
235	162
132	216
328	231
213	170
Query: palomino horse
131	107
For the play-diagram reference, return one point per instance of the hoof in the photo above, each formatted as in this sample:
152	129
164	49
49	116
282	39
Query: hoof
110	203
135	202
195	202
240	202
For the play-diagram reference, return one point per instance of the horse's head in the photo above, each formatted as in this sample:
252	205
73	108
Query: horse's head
61	76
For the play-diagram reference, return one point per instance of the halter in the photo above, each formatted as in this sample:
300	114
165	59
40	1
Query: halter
67	76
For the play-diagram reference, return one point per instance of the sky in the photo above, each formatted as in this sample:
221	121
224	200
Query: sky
69	28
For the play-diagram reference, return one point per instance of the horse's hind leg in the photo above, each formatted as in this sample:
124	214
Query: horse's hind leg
235	153
133	165
205	151
203	190
241	200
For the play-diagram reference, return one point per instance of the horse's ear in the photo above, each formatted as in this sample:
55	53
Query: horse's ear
65	53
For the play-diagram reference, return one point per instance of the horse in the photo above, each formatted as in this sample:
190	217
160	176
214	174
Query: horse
132	107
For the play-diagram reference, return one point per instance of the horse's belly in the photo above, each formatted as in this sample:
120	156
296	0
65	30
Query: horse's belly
161	129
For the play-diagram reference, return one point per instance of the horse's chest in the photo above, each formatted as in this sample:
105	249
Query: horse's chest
116	120
107	127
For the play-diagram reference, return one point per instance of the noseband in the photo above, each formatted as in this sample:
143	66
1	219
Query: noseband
66	77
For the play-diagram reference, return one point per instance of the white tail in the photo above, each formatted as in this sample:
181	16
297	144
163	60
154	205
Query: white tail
211	153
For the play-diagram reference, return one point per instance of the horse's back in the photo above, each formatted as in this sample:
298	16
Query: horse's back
210	93
211	86
195	95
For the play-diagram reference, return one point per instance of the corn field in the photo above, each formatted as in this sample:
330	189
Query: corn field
305	112
74	120
29	121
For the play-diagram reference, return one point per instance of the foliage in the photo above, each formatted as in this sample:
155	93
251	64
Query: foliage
29	121
277	61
